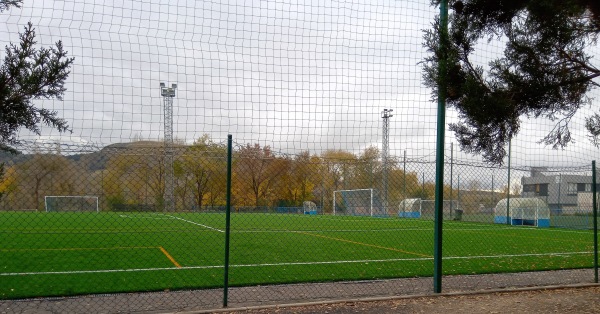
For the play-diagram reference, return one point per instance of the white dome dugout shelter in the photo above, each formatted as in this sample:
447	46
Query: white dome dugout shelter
523	212
410	208
309	208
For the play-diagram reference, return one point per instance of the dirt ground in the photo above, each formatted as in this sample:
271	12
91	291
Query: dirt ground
567	300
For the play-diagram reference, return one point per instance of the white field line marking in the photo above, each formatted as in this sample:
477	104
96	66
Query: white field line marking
416	259
356	230
195	223
135	217
496	227
449	222
379	230
515	227
560	230
354	218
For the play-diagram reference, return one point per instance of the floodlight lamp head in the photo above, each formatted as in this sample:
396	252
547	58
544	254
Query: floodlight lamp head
386	113
167	91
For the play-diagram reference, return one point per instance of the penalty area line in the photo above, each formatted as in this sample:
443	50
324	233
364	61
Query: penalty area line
195	223
140	217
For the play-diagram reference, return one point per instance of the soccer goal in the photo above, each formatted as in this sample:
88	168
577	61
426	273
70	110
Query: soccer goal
360	202
71	203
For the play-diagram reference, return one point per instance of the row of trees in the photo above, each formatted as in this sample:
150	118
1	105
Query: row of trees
132	177
546	70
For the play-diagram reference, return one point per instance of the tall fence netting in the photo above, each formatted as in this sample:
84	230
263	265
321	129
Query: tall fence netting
112	208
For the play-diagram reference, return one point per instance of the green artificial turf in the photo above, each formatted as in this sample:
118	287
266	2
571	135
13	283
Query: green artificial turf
59	254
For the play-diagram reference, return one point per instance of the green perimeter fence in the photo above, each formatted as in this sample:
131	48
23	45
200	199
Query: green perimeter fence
291	226
328	191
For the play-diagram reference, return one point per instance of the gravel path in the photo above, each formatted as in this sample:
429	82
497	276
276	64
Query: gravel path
204	300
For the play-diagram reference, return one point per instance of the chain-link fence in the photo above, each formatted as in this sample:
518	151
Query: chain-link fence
302	227
330	198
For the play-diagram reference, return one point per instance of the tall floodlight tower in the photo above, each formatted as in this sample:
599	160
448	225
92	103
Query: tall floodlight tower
168	93
385	153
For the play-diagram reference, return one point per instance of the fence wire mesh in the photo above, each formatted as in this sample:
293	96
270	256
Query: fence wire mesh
113	217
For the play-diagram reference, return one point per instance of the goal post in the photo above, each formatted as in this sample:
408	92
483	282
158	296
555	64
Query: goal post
359	202
71	203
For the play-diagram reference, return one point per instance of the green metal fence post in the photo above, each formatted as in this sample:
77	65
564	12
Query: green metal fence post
458	190
423	195
451	177
559	190
404	187
439	163
595	208
508	222
227	222
493	192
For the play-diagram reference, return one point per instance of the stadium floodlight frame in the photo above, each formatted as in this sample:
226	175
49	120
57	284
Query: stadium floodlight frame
71	196
355	190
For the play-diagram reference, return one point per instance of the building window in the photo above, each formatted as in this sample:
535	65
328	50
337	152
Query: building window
571	188
542	189
529	188
584	187
536	189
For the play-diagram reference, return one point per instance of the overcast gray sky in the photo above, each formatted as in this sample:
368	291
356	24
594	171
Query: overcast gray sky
296	75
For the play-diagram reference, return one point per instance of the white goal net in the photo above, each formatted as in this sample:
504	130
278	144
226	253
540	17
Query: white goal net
360	202
71	203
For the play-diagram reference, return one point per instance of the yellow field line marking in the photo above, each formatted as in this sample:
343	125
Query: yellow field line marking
80	248
169	257
365	244
162	249
124	229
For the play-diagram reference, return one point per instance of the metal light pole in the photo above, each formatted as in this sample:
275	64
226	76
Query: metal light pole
385	153
168	93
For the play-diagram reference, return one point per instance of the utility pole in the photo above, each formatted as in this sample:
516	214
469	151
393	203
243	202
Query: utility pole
168	93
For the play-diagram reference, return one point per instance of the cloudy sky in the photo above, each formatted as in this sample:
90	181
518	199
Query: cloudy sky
295	75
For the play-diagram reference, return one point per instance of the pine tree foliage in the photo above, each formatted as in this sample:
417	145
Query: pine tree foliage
28	73
544	71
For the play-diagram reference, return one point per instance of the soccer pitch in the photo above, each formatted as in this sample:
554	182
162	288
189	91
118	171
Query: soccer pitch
60	254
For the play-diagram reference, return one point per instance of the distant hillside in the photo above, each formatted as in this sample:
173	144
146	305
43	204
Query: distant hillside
94	161
8	158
